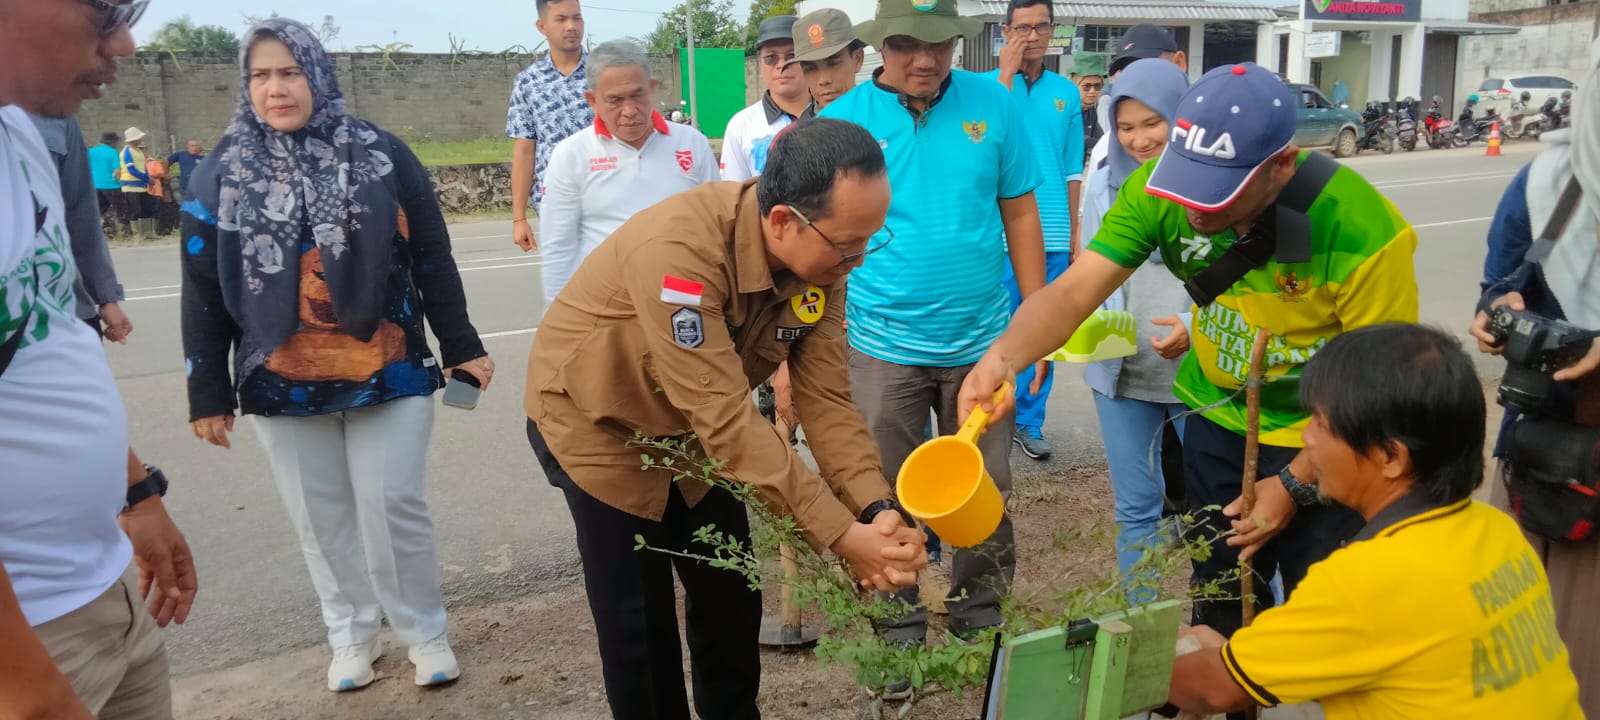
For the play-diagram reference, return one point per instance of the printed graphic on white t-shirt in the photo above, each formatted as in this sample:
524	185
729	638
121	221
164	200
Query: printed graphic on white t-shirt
63	431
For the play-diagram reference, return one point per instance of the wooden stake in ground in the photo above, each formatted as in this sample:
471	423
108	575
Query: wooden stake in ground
786	631
1252	457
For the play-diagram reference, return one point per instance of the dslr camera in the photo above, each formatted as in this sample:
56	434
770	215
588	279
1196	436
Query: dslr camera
1534	347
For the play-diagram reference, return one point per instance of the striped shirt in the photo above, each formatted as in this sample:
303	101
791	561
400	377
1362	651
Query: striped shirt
1054	113
934	297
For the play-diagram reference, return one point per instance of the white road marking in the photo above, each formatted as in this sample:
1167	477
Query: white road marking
1452	222
509	333
507	265
519	256
1442	181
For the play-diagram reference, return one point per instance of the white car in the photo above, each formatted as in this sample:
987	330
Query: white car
1499	93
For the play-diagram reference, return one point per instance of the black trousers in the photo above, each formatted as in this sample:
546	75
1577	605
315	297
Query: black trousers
1213	459
635	607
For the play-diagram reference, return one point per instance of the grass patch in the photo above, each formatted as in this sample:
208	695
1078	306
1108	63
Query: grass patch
463	152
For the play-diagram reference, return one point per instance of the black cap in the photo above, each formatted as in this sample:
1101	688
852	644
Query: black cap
775	28
1141	42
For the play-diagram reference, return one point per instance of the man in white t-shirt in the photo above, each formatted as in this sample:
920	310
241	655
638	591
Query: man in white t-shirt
629	159
750	132
77	639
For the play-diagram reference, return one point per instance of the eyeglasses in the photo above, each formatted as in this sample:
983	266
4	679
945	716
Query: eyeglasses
776	59
844	258
119	14
1046	29
1091	87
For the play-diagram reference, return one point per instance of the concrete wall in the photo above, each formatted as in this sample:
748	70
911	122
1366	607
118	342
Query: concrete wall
1495	6
418	96
1554	40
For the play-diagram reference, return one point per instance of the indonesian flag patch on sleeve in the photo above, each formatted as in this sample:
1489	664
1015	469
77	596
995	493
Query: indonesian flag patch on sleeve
678	291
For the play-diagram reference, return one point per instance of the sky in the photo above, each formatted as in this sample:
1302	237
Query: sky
488	25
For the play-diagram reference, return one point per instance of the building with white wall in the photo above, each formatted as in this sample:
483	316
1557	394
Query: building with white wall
1554	40
1386	49
1227	28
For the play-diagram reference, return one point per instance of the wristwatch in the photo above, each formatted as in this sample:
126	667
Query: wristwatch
872	511
1303	495
153	485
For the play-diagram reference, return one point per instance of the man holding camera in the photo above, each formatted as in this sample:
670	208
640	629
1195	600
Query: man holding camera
1265	236
1539	272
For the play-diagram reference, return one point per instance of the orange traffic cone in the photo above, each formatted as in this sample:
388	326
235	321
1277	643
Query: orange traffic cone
1494	140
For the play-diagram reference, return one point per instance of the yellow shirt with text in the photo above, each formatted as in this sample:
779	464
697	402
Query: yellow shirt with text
1442	614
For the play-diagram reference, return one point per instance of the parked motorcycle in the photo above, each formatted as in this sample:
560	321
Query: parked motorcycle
1405	120
1381	132
1470	128
1524	121
1405	124
1550	115
1439	131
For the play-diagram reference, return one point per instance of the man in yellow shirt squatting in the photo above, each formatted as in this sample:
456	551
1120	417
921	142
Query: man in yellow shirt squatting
1438	607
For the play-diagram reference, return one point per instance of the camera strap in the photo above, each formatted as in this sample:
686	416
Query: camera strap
1557	225
1283	232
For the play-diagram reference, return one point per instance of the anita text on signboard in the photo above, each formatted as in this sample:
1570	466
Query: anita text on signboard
1367	10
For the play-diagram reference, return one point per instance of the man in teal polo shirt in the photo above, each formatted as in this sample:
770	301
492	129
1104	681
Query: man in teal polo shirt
923	310
1055	125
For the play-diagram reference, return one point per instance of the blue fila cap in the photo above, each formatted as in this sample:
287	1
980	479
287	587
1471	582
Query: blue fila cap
1229	123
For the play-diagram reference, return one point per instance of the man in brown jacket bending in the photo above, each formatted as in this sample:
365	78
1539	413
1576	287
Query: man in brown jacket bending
663	331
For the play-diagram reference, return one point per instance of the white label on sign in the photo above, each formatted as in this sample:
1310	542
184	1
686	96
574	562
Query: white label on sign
1322	44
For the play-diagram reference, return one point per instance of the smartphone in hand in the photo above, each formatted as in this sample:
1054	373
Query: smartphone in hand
462	391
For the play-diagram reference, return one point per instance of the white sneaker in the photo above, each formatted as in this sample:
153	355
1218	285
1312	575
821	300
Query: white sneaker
436	663
352	666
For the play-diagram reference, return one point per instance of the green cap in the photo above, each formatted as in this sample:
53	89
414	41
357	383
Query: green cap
931	21
1085	64
821	34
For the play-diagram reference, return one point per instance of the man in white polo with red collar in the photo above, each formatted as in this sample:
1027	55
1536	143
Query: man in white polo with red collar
630	159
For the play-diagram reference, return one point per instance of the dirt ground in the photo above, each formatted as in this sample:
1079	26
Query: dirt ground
535	658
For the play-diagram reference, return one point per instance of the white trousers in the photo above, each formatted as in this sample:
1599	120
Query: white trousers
353	485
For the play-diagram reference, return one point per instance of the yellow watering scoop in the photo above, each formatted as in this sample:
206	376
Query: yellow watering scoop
944	484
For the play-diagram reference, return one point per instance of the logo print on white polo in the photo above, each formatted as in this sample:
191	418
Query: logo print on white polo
1193	139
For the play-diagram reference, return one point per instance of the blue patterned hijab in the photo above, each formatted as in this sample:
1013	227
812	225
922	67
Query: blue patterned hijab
330	183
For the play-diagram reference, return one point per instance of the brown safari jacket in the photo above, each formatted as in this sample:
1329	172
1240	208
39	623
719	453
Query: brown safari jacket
664	330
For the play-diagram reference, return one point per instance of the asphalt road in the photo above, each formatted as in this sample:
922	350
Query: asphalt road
502	531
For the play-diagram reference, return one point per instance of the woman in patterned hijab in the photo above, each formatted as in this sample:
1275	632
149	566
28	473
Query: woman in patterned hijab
303	163
314	250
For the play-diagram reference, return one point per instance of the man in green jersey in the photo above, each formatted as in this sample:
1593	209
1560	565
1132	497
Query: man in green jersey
1265	236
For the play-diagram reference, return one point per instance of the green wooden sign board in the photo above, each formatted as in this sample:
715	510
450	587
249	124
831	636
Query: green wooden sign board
1113	667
